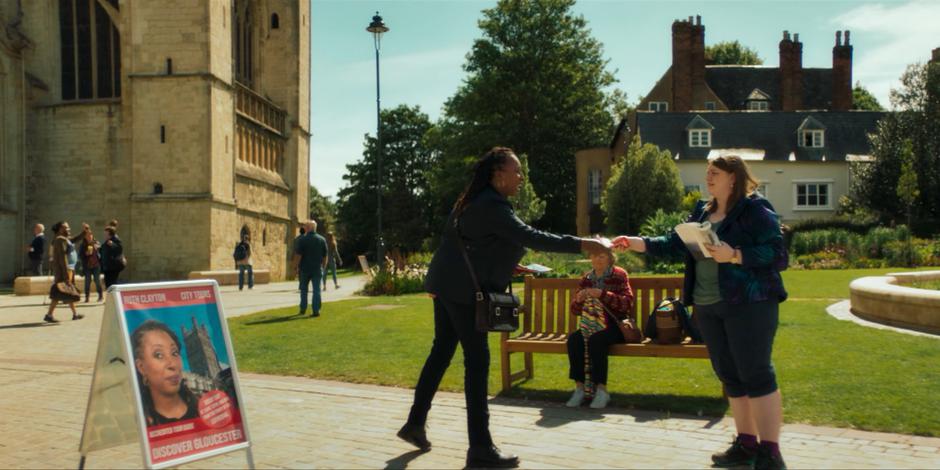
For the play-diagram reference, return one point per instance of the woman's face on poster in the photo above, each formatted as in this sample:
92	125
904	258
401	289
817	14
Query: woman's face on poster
160	363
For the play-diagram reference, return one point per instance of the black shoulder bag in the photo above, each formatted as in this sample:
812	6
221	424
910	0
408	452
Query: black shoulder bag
495	311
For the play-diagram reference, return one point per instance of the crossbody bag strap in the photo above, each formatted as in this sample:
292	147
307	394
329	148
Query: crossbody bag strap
466	258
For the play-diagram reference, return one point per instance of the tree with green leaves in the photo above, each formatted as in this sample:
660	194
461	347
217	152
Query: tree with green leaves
731	53
323	210
864	100
645	180
906	140
907	189
526	202
536	83
406	194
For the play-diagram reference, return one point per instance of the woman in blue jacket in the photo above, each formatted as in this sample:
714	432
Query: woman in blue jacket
495	241
736	294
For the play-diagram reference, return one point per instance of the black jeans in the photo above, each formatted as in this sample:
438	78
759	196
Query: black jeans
92	275
740	339
598	348
455	323
110	278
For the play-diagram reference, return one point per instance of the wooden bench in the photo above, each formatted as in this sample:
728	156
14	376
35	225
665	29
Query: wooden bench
546	321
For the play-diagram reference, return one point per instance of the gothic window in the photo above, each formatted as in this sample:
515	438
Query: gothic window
244	42
275	21
594	186
91	51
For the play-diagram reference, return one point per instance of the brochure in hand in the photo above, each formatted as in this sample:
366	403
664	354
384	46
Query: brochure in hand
695	236
533	268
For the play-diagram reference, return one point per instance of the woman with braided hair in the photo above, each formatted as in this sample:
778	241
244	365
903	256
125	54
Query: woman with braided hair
495	240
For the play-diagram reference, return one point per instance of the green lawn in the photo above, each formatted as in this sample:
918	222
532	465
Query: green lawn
831	372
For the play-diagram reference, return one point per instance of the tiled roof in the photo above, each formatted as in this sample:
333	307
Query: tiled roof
734	83
774	132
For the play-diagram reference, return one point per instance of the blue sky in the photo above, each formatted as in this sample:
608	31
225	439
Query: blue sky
423	53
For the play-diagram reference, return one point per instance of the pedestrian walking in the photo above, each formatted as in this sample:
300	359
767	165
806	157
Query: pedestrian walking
310	253
483	226
64	259
243	261
35	249
332	259
113	260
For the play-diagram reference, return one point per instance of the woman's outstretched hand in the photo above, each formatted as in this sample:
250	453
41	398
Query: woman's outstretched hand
624	242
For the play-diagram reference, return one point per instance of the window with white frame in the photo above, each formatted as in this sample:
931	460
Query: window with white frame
812	138
758	105
594	186
700	138
813	195
659	106
762	189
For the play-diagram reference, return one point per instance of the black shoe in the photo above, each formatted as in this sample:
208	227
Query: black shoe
314	314
768	461
50	319
415	435
490	457
736	456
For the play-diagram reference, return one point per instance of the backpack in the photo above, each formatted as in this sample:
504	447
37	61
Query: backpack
670	322
240	252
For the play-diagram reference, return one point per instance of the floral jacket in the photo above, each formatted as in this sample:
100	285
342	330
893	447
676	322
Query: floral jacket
616	295
751	226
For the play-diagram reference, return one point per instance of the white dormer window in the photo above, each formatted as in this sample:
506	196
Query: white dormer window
709	106
659	106
812	138
700	138
758	105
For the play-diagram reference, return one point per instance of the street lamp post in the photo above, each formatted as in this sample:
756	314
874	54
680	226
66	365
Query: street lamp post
377	28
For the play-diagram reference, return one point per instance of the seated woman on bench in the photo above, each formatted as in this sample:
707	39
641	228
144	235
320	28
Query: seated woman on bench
604	304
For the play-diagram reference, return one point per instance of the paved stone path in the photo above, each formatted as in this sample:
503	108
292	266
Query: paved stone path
45	373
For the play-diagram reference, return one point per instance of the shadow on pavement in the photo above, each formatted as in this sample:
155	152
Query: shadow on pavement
554	413
402	460
38	324
291	317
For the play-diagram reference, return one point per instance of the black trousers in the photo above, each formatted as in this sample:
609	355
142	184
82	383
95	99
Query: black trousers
598	347
110	278
740	341
454	323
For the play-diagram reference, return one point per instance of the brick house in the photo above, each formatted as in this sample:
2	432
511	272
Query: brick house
795	125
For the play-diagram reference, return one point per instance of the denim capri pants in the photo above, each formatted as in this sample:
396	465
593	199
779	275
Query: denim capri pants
740	339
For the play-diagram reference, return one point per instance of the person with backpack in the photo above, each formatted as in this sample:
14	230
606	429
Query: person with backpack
736	294
242	257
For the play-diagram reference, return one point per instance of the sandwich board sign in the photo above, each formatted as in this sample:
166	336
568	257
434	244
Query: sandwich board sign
165	376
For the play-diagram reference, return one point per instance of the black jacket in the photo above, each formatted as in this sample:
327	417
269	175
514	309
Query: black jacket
495	240
110	255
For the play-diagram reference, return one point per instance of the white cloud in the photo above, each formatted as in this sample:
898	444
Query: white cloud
896	35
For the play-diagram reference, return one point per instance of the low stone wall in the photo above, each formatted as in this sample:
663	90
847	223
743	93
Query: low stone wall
34	285
885	299
230	277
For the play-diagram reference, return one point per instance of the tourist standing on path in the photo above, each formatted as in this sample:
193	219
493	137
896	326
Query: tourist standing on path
90	256
243	261
112	256
36	249
309	262
63	256
736	294
495	240
332	259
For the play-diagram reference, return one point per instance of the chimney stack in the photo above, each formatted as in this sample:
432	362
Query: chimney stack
791	72
842	73
935	57
688	61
